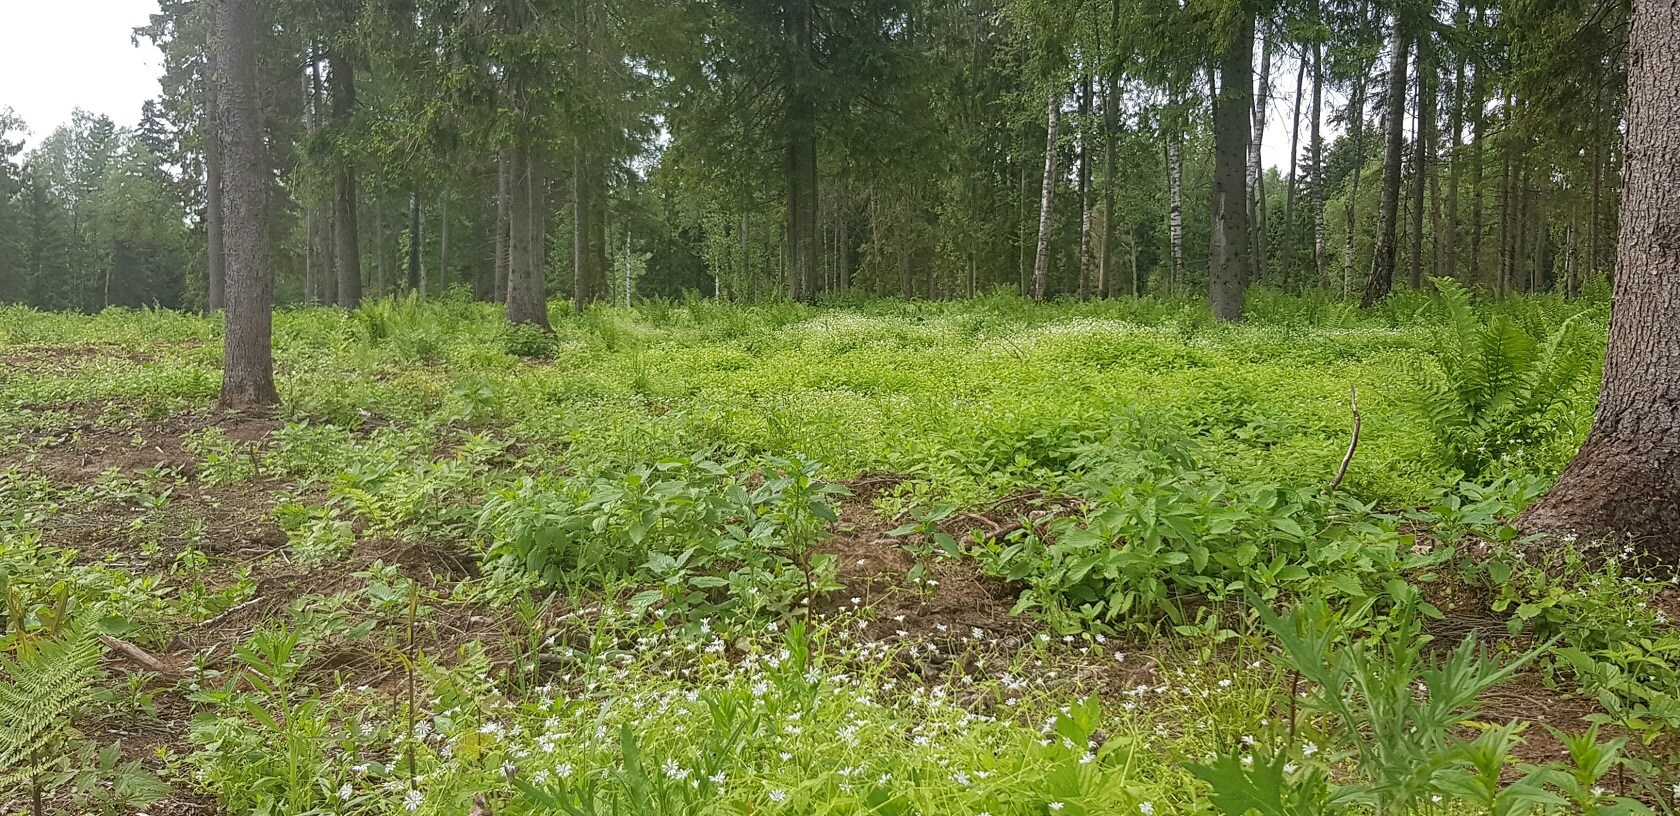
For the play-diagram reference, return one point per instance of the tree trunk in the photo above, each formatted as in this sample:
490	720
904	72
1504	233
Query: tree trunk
414	242
248	357
1320	232
1085	188
526	302
1175	211
1478	119
1625	482
1111	129
1046	208
1455	124
379	248
215	252
1228	256
803	245
347	241
1420	163
1289	188
499	288
443	242
1387	248
1356	134
1256	175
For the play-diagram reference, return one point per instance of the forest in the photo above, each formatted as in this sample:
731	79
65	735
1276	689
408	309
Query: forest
890	407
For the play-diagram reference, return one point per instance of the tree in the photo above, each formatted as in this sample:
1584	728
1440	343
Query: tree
1047	203
1625	481
248	358
1228	253
1388	217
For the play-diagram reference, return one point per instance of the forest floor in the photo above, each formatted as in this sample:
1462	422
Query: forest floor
360	521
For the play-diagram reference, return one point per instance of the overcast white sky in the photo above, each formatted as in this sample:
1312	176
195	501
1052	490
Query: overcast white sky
58	55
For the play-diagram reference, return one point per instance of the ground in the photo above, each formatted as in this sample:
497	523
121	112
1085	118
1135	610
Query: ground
356	517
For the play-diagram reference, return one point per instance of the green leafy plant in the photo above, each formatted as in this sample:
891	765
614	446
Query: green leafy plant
1495	386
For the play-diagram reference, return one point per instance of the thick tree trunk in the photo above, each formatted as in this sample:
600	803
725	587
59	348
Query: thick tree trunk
248	358
215	251
347	241
1387	248
582	258
803	244
1625	482
1047	199
526	302
443	242
379	248
1478	125
1228	255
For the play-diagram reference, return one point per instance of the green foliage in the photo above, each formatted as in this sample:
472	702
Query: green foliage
1498	384
43	682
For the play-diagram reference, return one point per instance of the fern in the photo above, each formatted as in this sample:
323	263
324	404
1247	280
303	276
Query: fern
1496	382
41	686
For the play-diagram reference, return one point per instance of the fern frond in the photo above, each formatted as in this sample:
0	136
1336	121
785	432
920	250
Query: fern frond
40	690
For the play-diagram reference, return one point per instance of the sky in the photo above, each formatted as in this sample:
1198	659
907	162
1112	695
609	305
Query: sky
59	55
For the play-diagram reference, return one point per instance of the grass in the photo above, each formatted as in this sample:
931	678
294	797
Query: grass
705	558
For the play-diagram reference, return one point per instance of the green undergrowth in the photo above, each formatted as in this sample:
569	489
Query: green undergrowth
636	508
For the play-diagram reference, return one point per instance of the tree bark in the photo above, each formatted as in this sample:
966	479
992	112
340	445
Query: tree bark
1046	208
1387	248
414	242
1175	211
443	242
803	245
526	302
1320	232
1455	125
1256	175
1111	129
1085	187
215	250
499	288
1228	244
248	357
1289	187
1420	164
1624	484
1356	134
347	242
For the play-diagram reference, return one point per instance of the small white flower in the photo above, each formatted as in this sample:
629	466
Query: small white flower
345	792
564	771
411	802
1056	805
1309	749
1597	790
1248	760
1146	808
778	796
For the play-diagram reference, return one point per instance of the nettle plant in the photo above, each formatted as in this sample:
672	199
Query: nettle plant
712	537
1157	534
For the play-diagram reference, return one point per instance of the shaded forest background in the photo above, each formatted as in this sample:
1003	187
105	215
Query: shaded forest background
757	149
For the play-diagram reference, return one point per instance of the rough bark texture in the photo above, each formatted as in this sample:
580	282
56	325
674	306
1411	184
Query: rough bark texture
1085	188
1289	187
1046	209
526	303
1228	256
347	242
1420	166
248	360
414	243
215	251
1387	253
1320	233
803	243
1625	482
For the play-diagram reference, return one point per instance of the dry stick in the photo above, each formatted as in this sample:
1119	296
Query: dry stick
413	612
135	654
1353	445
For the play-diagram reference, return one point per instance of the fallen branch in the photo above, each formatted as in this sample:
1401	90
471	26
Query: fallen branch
1353	445
135	654
230	612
